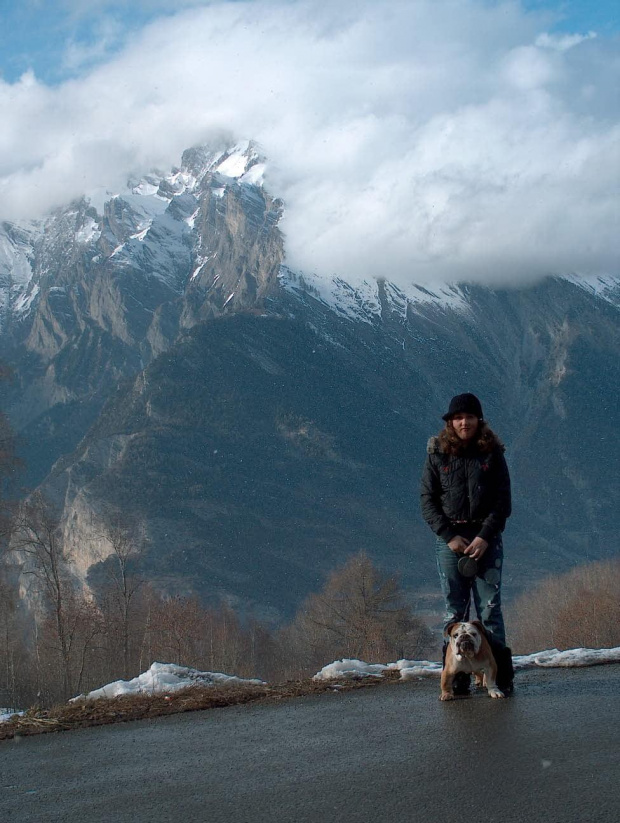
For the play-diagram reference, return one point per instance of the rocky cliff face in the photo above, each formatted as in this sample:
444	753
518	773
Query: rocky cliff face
101	293
260	424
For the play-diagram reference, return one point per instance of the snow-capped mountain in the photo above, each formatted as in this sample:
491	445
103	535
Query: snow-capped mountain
158	227
261	423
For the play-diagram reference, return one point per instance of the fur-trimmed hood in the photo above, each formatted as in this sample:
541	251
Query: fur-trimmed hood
432	447
487	442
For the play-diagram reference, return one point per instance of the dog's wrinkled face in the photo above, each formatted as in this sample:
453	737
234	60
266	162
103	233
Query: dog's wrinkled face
465	639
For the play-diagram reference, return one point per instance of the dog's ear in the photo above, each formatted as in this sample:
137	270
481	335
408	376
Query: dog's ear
447	632
480	628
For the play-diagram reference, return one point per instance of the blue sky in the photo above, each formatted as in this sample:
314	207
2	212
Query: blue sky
65	38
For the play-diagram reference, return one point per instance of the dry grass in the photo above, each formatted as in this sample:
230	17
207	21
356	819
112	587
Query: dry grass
103	712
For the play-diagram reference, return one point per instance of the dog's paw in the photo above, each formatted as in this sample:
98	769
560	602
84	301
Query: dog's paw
496	693
447	696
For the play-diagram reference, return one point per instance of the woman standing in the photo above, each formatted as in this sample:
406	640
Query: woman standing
466	500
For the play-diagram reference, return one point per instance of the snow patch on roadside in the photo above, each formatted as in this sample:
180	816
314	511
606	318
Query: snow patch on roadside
551	658
350	669
7	714
162	678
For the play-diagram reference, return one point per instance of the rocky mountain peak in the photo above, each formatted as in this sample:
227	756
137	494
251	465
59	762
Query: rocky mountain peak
153	244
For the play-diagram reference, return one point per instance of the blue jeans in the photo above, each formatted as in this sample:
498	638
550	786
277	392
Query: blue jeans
485	588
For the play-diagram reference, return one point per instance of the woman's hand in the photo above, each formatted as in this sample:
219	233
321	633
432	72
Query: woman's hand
458	544
476	548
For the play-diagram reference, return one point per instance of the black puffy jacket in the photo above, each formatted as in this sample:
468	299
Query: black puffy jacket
471	487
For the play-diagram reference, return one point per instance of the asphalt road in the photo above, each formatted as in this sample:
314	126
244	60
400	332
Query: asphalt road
550	753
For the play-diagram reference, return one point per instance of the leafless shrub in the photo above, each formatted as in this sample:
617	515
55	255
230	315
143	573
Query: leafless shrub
360	613
180	630
578	609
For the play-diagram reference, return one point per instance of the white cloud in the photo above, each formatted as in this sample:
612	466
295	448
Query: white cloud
415	140
562	42
106	36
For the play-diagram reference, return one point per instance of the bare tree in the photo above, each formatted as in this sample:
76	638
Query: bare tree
37	538
359	613
122	577
181	630
8	647
234	646
9	462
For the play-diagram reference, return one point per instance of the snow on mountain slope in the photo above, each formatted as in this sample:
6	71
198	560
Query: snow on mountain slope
158	235
149	226
605	287
367	300
16	253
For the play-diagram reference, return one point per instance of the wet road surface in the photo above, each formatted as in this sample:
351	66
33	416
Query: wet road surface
550	753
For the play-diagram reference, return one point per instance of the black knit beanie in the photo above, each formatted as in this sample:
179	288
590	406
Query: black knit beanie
464	404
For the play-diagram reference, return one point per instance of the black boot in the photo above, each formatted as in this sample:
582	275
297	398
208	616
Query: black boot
461	683
505	671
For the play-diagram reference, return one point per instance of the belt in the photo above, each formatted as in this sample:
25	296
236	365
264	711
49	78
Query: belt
466	522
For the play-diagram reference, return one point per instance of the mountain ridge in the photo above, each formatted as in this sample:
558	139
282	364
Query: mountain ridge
263	424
